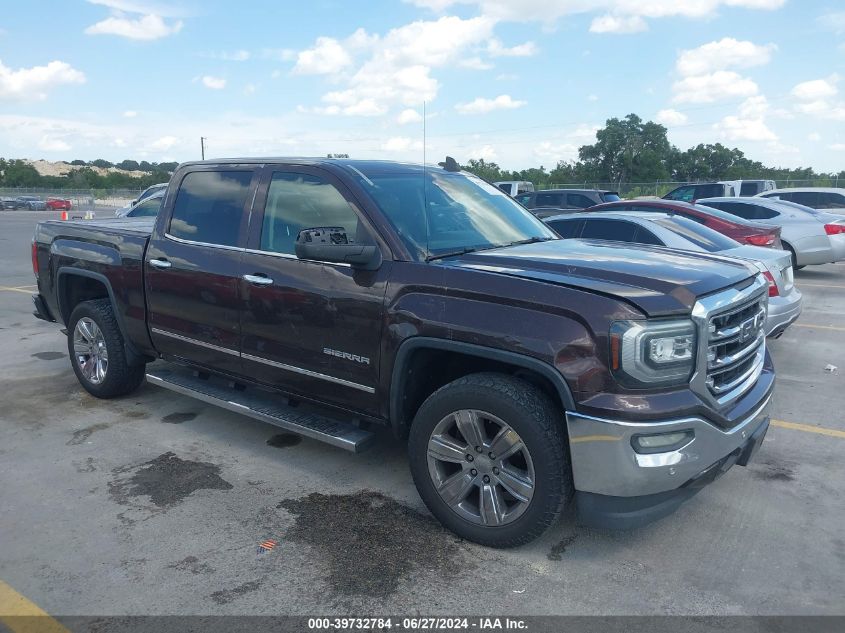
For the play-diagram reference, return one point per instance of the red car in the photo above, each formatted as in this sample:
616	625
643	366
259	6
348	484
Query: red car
725	223
58	204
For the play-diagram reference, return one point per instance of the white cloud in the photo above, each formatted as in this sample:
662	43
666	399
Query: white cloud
397	68
165	9
146	27
408	115
485	152
496	49
610	23
722	84
326	57
249	89
49	144
507	77
33	84
749	124
130	114
481	105
671	117
816	88
475	63
548	152
232	56
548	11
401	144
816	98
833	21
592	97
164	143
814	136
725	53
215	83
837	147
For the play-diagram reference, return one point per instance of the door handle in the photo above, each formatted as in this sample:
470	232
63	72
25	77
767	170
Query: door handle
160	263
258	280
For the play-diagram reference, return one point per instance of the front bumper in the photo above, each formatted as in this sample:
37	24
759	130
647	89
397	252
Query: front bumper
783	311
612	479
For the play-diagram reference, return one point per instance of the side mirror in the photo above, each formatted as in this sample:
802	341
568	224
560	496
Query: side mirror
331	244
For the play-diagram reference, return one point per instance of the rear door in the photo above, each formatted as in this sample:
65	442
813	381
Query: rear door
310	328
192	273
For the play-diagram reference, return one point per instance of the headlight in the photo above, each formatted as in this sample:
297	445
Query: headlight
652	353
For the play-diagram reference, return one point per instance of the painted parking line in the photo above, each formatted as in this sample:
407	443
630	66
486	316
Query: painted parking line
820	327
19	614
808	428
23	290
802	285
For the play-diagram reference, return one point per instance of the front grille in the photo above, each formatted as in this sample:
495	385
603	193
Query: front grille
735	342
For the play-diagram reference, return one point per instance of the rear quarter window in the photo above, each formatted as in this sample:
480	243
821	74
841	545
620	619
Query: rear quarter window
209	206
567	229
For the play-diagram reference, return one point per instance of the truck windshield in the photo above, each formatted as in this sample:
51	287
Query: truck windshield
438	213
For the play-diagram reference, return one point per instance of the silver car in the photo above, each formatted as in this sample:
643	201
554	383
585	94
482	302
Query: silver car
147	193
676	232
813	237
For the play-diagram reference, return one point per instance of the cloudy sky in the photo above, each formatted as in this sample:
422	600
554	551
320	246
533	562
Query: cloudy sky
521	82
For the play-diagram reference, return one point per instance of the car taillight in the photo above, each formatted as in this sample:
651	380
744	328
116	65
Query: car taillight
773	287
34	258
834	229
765	239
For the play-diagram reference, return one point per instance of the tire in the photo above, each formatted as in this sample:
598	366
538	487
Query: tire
109	379
492	399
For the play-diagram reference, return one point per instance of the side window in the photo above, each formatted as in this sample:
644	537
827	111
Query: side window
578	201
710	191
831	201
210	205
747	211
683	193
301	201
524	199
617	230
644	236
748	189
147	208
567	229
549	199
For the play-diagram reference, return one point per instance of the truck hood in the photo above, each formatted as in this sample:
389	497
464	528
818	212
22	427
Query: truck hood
658	281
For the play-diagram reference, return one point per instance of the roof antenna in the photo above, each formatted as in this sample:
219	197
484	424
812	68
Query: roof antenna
425	190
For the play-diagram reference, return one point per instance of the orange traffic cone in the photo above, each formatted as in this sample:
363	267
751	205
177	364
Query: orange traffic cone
64	215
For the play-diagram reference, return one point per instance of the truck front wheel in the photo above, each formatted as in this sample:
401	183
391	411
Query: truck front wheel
95	346
488	455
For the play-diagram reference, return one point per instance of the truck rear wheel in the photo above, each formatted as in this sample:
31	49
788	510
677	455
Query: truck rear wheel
95	345
489	458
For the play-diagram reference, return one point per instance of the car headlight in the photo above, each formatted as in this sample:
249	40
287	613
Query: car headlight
653	353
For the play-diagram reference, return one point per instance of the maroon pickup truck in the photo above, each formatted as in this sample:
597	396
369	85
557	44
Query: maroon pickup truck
527	373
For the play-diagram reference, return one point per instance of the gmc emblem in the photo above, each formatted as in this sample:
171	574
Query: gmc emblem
747	329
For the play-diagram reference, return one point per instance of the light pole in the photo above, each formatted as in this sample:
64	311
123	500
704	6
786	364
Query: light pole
202	146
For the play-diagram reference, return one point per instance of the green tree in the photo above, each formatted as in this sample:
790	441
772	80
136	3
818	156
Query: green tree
628	150
481	168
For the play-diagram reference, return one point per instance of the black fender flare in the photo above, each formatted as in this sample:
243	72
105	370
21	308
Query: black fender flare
133	356
415	343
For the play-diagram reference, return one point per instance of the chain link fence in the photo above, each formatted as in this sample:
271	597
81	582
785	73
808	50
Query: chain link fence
660	188
81	200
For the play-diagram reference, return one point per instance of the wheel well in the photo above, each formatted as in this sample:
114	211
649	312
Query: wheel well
74	289
426	370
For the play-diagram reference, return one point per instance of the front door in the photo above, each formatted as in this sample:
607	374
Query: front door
310	328
193	267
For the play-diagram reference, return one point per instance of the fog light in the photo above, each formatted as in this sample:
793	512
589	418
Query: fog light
662	442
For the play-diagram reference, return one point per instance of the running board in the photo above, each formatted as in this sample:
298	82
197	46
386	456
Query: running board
265	407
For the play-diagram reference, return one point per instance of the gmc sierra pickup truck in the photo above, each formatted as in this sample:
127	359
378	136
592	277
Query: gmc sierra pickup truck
526	373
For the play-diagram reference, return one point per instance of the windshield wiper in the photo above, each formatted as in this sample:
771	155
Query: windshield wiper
463	251
530	240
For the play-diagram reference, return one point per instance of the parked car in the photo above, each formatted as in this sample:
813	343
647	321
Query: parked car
673	231
811	236
33	203
9	203
514	187
422	299
695	191
743	232
547	202
747	188
58	204
147	208
813	197
146	193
